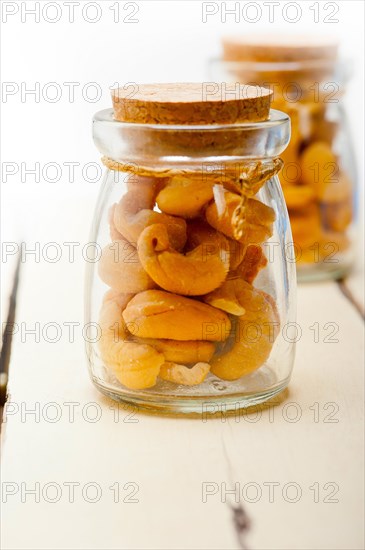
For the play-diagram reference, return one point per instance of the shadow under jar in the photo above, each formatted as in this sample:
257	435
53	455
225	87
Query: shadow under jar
194	291
319	174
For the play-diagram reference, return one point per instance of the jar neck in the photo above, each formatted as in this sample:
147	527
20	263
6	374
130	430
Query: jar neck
313	81
182	147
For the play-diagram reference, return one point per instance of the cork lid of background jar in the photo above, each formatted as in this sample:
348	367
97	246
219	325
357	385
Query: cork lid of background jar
191	103
295	65
275	48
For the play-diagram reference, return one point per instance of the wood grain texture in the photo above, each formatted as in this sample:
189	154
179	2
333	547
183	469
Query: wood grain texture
171	463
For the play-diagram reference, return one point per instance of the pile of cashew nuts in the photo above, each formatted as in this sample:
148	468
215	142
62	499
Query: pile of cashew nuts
181	297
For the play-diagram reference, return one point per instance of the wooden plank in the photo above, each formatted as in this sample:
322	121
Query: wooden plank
179	469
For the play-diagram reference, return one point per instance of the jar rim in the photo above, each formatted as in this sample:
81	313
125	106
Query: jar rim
341	69
280	65
277	118
176	145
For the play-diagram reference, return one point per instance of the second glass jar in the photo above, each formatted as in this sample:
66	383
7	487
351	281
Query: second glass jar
319	174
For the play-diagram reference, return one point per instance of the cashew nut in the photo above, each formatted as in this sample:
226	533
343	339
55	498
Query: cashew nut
178	351
258	219
254	260
253	335
136	366
135	212
114	233
200	232
198	272
159	314
226	298
120	268
180	374
185	195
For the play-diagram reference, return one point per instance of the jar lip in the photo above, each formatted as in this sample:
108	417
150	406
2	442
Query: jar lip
277	118
279	65
341	68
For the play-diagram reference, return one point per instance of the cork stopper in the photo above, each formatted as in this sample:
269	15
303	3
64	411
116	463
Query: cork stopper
192	103
274	48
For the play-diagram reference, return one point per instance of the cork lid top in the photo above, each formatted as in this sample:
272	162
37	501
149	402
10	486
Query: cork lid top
279	48
192	103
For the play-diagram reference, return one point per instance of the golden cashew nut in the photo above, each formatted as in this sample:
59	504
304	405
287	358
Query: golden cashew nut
200	232
180	374
178	351
226	298
185	196
258	223
298	196
136	366
119	298
159	314
135	212
237	253
199	271
114	233
253	335
337	204
306	226
120	268
319	154
254	260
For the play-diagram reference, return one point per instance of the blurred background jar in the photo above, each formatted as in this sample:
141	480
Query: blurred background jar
319	174
194	291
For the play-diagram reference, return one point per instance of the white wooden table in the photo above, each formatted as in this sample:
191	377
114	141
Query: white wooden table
288	476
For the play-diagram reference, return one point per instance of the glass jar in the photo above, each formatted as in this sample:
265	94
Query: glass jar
194	291
319	174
